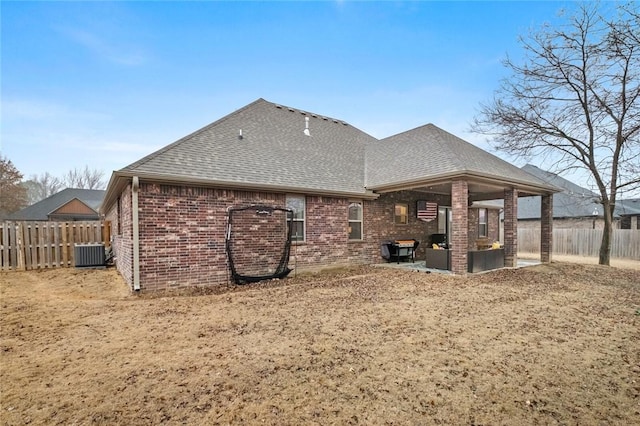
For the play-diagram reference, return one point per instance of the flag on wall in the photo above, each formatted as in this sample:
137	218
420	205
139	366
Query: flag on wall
427	211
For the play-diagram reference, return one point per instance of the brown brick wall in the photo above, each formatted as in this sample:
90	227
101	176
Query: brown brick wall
327	241
380	226
123	240
259	239
510	227
182	233
546	232
493	227
460	226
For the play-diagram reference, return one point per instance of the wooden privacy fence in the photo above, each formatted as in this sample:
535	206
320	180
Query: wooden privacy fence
583	242
37	245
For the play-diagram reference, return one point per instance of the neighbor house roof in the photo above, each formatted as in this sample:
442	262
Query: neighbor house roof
574	201
91	198
271	147
628	207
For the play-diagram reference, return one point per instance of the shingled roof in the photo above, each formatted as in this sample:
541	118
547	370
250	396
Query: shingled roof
573	202
41	210
628	207
265	146
427	152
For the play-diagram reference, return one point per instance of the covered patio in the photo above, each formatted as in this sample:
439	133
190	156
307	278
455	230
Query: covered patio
466	249
463	180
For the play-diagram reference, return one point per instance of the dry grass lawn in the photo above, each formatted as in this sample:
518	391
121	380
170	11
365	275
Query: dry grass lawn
549	344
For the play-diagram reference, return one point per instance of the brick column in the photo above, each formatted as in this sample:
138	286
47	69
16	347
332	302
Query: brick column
510	227
459	226
546	228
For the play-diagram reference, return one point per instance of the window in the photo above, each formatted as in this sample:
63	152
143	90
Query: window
401	214
355	221
445	217
296	203
482	223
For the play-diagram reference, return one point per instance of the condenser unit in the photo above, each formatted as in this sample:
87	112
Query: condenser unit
89	255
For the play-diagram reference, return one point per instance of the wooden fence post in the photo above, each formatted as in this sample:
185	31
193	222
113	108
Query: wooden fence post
65	247
20	246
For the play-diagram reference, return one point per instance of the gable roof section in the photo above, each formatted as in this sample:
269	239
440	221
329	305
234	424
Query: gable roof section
428	153
273	153
573	202
92	198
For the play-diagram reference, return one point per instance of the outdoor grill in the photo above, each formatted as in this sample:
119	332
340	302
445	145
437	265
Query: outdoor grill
399	249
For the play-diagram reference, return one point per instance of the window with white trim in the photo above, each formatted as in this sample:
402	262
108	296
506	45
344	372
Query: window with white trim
355	221
297	204
482	223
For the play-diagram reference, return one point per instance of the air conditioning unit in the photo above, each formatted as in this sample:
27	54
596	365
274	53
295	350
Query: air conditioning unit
89	255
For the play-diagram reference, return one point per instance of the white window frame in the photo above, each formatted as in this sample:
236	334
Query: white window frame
445	217
295	219
484	224
360	220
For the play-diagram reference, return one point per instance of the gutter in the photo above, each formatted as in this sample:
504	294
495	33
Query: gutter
489	179
119	178
135	187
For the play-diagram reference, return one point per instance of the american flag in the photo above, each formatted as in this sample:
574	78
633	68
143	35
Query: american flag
427	211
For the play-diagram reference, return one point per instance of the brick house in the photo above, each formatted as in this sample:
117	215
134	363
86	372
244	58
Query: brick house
349	192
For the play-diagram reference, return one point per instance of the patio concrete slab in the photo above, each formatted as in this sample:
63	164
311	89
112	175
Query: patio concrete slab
420	266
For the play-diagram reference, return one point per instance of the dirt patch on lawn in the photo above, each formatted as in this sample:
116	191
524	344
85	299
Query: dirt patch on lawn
555	343
616	262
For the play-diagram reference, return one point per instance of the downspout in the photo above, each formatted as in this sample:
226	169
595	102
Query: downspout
135	187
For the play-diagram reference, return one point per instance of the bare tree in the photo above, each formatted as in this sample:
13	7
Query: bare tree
84	178
42	186
13	196
575	101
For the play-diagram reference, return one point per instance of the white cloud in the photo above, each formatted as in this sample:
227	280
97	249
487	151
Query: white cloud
43	136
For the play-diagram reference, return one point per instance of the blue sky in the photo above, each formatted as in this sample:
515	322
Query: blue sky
104	83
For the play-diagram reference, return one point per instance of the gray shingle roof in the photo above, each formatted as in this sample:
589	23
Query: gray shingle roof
628	207
429	151
275	154
40	210
273	151
573	201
